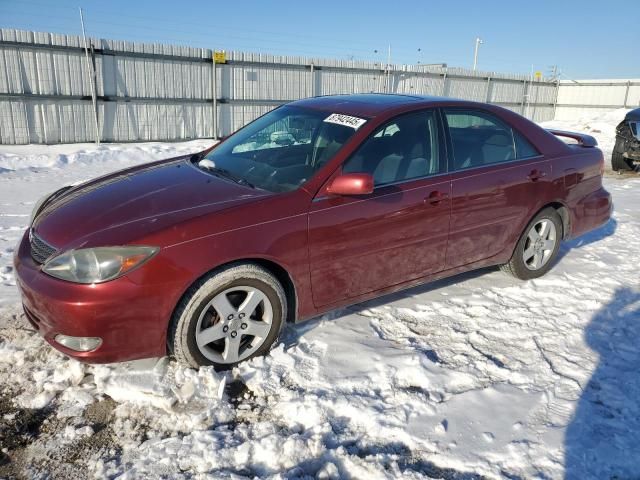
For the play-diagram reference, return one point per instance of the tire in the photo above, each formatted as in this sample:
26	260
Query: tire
525	266
618	162
242	305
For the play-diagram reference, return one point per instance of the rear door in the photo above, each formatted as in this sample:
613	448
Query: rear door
497	178
399	232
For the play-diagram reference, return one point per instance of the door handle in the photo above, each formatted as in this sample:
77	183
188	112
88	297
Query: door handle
436	197
536	175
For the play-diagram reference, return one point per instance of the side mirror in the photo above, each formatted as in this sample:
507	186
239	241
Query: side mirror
351	184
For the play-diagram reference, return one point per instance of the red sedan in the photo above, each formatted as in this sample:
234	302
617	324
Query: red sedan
318	204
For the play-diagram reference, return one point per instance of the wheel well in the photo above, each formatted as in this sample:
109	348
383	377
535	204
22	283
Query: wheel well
285	280
276	270
563	211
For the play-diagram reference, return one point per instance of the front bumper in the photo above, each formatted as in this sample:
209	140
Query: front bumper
130	317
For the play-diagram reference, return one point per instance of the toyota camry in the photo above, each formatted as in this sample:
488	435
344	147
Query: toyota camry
318	204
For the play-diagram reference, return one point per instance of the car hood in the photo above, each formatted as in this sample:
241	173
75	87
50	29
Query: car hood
131	204
633	115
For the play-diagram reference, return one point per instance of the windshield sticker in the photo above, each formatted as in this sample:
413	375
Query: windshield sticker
345	120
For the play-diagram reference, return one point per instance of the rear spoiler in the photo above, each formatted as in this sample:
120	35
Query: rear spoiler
583	139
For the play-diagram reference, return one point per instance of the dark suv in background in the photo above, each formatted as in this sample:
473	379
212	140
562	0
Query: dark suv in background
626	153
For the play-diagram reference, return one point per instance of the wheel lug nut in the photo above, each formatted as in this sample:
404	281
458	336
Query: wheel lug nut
243	326
230	317
241	315
234	334
225	329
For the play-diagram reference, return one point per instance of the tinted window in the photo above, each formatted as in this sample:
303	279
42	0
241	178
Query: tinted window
282	149
524	149
479	138
404	148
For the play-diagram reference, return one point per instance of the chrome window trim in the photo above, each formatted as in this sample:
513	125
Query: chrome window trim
507	162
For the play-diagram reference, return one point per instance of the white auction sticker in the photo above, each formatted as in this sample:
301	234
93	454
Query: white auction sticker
345	120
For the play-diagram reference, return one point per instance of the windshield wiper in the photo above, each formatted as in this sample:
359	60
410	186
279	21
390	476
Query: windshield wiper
223	173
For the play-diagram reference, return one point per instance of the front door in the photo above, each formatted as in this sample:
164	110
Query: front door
398	233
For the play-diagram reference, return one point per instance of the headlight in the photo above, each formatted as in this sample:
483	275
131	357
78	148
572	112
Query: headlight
97	265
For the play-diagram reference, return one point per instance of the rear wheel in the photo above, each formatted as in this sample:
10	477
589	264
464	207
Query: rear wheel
618	162
538	246
230	316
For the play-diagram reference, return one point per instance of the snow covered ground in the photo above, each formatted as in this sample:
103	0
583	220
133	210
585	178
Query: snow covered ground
476	376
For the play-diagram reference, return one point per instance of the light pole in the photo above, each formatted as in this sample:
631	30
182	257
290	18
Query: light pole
475	52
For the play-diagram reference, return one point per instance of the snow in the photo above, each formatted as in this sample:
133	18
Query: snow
477	375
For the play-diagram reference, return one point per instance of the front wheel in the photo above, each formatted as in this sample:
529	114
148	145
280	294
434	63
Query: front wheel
229	316
538	246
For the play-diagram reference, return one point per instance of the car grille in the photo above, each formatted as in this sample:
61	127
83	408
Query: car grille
40	250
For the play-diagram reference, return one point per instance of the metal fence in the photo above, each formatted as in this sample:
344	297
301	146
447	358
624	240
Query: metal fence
150	92
579	98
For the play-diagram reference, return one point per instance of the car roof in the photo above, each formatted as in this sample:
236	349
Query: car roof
370	105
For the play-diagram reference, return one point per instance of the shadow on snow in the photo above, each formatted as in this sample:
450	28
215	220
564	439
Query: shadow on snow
603	439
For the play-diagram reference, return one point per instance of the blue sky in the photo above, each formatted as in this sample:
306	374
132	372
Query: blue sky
586	39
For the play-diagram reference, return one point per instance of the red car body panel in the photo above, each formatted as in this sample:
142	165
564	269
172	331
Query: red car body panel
357	246
333	250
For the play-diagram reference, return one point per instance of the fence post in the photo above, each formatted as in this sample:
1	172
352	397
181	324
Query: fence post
535	101
488	89
91	71
555	102
214	96
444	83
626	93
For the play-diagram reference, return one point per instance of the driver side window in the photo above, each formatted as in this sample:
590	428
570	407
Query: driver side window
404	148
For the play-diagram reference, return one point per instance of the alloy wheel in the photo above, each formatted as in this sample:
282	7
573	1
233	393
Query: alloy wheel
234	324
540	244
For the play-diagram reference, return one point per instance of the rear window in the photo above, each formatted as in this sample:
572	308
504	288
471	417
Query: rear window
479	138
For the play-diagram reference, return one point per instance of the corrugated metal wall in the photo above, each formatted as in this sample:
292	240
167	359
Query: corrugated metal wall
164	92
585	98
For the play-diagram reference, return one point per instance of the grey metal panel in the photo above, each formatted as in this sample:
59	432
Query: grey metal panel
467	88
13	123
152	91
413	83
502	91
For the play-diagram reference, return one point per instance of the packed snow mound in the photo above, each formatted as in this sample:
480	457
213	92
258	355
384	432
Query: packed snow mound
23	157
601	126
189	399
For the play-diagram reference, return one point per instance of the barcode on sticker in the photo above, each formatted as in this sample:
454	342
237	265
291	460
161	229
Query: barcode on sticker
345	120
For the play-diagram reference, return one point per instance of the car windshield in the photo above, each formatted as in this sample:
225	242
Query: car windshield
281	150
